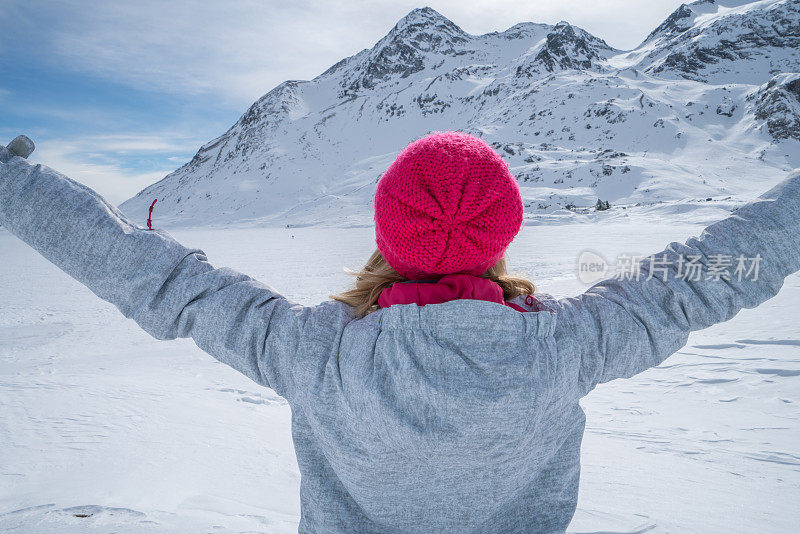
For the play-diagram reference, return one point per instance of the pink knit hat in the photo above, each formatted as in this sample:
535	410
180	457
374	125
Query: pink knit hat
448	204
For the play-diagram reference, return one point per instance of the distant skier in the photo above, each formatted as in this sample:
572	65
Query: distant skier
440	394
150	215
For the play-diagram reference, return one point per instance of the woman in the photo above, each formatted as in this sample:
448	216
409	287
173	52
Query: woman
438	395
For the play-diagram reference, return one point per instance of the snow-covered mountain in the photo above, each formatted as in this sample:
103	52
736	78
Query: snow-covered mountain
707	107
724	42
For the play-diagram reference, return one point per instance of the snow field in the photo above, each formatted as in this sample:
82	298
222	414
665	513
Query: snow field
103	428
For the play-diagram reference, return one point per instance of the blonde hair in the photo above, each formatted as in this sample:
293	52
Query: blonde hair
377	275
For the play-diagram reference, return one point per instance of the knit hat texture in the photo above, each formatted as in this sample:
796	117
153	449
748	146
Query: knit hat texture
448	204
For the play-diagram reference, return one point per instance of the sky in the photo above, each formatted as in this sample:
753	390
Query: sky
118	94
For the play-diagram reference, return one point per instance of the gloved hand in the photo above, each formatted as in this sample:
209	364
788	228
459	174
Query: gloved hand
21	146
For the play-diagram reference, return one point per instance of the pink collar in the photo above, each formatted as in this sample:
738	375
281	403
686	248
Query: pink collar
449	287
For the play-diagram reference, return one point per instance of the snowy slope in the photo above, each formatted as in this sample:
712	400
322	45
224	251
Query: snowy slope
732	41
686	116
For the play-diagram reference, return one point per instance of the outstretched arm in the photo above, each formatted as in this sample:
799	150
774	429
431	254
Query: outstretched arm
169	290
620	327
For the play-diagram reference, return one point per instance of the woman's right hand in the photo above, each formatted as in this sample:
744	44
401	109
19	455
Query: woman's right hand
21	146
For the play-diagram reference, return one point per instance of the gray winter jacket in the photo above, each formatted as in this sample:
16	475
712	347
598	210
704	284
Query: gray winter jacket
455	417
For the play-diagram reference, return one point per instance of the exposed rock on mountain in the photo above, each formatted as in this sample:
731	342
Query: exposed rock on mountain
567	47
778	104
726	41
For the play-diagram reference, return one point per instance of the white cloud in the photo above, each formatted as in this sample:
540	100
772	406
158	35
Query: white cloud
237	52
99	161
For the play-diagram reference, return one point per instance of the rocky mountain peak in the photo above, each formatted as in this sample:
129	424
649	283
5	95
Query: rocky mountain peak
425	16
679	21
703	41
423	26
569	47
421	34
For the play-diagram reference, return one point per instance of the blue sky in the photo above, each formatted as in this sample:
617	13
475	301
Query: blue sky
118	94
